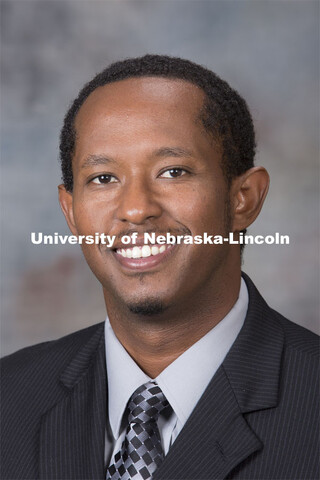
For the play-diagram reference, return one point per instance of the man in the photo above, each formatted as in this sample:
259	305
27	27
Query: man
192	376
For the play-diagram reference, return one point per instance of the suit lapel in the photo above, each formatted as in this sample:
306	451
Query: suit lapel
72	433
217	437
253	364
214	440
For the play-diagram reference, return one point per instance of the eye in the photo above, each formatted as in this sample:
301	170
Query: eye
173	173
104	179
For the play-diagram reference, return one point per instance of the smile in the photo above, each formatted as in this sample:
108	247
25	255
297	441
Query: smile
144	251
143	258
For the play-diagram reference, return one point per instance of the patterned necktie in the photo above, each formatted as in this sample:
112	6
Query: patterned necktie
141	451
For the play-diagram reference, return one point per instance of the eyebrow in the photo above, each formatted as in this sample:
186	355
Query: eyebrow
96	160
173	152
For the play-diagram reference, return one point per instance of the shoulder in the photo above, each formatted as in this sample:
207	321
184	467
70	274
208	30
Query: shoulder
292	347
44	361
300	364
297	338
32	384
276	326
300	358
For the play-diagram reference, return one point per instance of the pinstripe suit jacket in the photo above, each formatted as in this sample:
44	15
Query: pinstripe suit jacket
256	419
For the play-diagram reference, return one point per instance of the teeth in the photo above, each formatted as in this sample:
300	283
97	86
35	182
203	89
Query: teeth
146	251
136	252
154	250
141	252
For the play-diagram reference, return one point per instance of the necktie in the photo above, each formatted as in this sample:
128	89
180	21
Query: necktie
141	451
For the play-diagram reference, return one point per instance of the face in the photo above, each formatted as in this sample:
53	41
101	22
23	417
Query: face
143	163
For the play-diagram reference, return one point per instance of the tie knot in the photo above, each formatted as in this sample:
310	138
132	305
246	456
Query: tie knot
146	403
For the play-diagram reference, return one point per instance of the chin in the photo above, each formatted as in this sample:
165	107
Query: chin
147	308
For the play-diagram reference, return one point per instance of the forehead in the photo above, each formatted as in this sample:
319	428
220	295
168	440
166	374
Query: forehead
152	96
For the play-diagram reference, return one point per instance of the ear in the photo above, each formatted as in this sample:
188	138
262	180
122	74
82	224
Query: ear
66	204
248	192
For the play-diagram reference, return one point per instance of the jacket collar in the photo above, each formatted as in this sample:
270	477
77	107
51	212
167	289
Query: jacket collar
84	358
217	437
72	432
253	363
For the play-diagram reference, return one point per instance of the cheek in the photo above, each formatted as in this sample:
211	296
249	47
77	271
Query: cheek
203	210
90	218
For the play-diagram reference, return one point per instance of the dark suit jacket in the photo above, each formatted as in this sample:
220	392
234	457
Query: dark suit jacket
256	419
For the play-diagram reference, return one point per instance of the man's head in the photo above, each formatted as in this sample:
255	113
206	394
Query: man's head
160	145
223	114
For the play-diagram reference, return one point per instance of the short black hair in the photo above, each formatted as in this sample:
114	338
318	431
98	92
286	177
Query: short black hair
224	114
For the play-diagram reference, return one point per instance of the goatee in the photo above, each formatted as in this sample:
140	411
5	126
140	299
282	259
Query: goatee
147	308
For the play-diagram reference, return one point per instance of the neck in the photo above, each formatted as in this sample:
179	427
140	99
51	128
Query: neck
154	342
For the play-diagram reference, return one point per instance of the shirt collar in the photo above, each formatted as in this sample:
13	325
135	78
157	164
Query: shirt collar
184	380
124	377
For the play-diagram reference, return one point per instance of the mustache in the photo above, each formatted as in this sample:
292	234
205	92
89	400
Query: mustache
173	231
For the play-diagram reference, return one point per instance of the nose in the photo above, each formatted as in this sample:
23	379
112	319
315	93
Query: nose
137	203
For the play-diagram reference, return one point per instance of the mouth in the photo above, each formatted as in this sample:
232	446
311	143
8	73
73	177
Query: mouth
144	257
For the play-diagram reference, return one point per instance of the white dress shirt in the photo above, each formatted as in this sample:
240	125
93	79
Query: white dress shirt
182	382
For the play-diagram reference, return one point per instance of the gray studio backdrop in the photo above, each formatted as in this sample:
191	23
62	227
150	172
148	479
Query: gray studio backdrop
268	50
